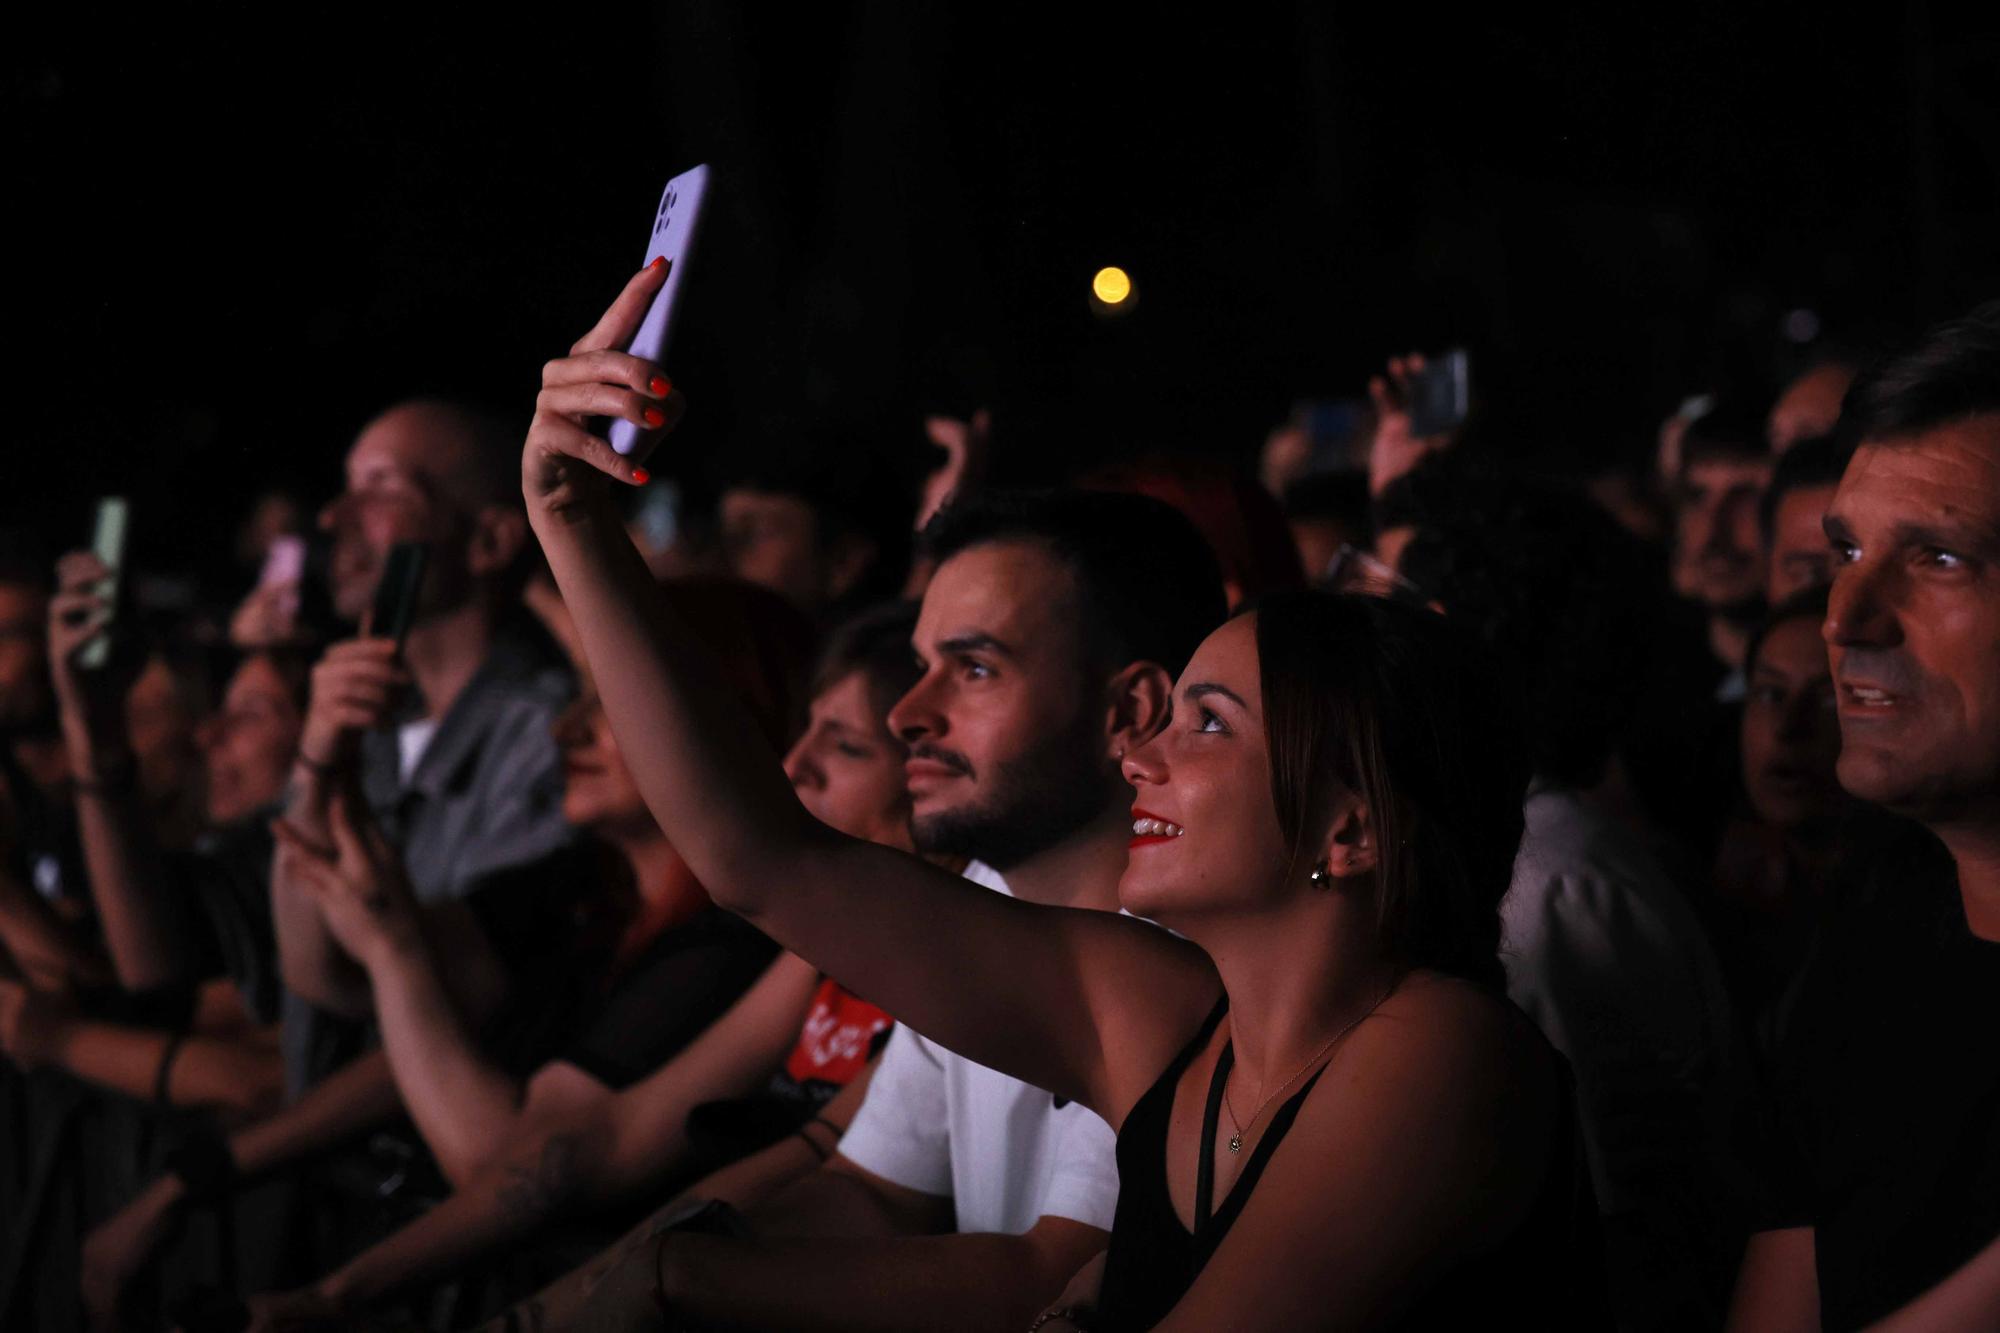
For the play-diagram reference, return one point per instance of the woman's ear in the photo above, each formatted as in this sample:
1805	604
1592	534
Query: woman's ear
1140	705
1350	846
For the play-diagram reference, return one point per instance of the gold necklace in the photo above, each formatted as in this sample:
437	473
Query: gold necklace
1236	1139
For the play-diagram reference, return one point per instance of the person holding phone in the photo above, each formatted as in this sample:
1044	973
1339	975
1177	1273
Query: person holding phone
1328	810
792	1057
449	733
539	994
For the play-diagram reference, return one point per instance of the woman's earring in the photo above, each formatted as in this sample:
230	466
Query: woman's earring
1319	878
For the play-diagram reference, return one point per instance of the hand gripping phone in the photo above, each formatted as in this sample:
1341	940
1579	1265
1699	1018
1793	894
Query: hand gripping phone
674	227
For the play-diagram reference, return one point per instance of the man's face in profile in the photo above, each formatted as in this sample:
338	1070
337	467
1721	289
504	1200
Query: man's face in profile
1718	544
1914	623
1007	742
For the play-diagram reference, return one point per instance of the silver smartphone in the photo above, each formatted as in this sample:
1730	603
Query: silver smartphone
107	541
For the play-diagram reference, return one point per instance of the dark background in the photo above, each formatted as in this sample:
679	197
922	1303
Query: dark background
235	237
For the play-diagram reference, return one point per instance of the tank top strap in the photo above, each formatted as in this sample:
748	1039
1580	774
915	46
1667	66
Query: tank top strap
1246	1181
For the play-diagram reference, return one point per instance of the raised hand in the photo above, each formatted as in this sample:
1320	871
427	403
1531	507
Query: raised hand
1396	449
79	615
267	618
354	687
561	457
967	450
359	884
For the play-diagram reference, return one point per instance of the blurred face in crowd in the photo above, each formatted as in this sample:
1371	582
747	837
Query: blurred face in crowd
1008	748
162	722
848	768
1718	546
1810	406
1791	735
1799	555
24	667
774	541
248	745
1914	622
598	790
272	515
1205	828
405	480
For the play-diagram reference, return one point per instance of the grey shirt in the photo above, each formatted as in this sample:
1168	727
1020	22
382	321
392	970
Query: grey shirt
485	794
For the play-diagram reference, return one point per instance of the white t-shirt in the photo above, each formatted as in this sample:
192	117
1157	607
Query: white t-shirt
1604	953
1002	1151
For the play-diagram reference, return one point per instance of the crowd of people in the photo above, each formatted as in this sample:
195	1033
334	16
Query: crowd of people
1404	889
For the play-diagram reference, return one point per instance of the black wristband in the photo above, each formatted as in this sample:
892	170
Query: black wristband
204	1165
832	1128
817	1151
164	1073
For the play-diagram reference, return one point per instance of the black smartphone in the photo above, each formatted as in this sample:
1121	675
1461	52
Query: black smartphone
396	594
1440	395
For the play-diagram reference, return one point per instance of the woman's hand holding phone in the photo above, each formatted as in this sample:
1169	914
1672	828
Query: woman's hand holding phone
596	380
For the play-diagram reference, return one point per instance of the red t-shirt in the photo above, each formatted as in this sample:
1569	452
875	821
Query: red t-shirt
837	1038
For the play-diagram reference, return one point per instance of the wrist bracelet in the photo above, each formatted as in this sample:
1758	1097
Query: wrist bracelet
831	1128
162	1075
1078	1315
817	1151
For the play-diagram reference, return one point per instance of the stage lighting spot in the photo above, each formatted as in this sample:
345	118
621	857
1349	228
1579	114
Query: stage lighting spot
1111	285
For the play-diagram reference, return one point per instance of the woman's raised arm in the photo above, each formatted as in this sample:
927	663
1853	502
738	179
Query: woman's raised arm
1023	989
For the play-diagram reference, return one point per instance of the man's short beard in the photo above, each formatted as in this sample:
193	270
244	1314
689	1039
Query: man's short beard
1038	799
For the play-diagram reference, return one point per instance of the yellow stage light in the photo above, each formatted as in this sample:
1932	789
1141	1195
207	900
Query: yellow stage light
1111	285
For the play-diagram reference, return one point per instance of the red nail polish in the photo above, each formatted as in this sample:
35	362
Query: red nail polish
657	262
640	476
655	417
660	386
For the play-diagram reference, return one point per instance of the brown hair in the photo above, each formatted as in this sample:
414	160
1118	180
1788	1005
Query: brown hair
1387	701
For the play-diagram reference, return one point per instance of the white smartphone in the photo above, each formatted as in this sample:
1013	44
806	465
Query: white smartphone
674	227
107	542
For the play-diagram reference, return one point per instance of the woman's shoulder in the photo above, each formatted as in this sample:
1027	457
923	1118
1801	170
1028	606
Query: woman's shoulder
1445	1079
1437	1026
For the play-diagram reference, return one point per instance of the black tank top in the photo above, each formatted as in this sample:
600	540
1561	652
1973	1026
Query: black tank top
1547	1274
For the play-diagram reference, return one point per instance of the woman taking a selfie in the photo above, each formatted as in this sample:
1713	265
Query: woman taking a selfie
1328	1115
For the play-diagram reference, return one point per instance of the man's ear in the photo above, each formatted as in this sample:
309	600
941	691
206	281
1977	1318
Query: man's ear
847	563
499	534
1350	848
1141	700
